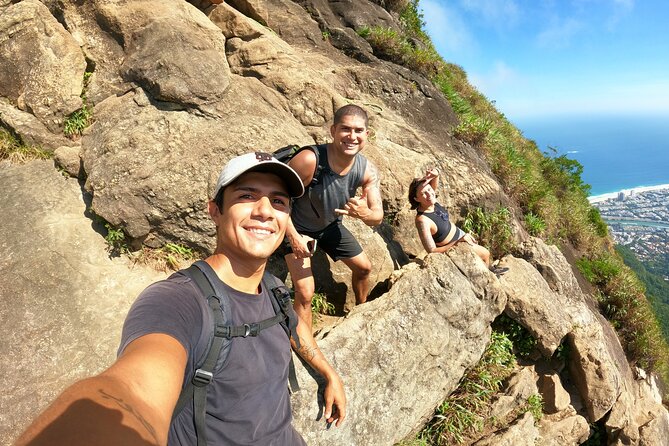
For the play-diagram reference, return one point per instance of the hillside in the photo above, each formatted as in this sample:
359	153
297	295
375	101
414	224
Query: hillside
115	119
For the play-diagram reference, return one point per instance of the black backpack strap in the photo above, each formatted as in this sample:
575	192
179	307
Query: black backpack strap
284	306
196	389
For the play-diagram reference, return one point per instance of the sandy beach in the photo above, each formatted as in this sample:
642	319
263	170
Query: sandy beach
636	190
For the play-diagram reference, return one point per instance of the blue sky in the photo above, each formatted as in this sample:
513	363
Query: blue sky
542	58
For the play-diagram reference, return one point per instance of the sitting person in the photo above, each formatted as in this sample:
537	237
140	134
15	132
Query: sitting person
437	233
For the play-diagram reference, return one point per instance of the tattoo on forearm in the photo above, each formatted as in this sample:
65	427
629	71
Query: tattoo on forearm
131	410
307	352
425	235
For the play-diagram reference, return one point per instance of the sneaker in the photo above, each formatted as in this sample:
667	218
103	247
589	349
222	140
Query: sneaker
499	270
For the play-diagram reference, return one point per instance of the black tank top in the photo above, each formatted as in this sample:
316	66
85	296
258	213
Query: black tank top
440	218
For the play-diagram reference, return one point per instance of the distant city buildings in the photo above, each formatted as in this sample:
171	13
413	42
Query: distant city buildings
639	220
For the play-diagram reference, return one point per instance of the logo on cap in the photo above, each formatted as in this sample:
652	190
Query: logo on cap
262	156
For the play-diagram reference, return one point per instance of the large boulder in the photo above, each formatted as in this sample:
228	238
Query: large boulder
534	305
64	298
41	65
150	169
400	355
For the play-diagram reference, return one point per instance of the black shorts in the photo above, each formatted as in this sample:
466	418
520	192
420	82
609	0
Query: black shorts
335	240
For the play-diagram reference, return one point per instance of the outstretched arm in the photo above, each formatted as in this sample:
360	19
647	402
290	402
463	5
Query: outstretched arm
130	403
335	398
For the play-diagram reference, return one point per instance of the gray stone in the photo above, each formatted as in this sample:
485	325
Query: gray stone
534	305
41	66
523	432
64	299
172	51
520	387
570	430
69	159
555	397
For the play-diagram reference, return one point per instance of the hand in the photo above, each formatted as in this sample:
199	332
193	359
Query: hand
431	173
300	245
335	401
355	207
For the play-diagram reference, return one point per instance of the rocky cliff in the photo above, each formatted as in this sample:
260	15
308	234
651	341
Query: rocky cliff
174	90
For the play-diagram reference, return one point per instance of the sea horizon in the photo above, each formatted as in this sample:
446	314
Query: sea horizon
617	152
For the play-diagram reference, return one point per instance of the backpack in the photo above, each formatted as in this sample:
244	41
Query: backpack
221	333
287	153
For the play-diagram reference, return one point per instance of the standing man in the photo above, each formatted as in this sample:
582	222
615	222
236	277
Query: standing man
132	402
317	215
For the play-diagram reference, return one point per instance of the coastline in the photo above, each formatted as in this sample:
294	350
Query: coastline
636	190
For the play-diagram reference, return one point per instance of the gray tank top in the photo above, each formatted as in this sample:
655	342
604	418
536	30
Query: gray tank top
314	210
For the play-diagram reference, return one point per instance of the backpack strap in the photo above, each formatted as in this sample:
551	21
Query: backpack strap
196	389
283	305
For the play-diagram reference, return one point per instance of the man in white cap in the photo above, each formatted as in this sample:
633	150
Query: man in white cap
165	336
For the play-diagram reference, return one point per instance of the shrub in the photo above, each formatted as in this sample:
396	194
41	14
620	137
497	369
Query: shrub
521	339
535	225
535	406
115	239
170	257
492	228
622	301
320	305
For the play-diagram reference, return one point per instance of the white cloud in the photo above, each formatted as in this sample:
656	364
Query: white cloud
621	8
559	33
501	78
448	31
499	13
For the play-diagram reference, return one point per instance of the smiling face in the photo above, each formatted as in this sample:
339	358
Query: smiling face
349	135
425	195
252	218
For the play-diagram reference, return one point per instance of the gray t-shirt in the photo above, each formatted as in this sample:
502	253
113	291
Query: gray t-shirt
248	401
314	211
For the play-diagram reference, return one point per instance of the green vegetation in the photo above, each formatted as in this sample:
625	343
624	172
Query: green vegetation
535	406
523	342
492	228
115	239
320	305
78	120
535	225
13	149
657	289
622	301
465	413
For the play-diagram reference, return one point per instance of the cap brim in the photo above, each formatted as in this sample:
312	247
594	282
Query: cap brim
283	171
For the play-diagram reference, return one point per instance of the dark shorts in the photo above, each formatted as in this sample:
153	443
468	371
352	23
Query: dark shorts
335	240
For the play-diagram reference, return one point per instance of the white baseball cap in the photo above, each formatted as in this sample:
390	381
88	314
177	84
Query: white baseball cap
260	162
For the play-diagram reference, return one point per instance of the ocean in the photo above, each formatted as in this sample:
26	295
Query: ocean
617	152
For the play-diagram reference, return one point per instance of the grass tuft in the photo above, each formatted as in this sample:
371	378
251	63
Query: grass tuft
464	413
13	149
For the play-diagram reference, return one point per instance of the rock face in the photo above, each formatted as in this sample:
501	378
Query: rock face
64	299
178	88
